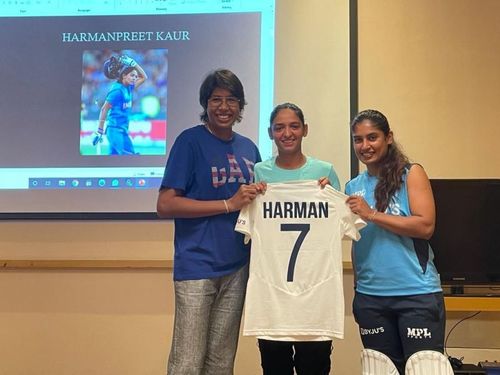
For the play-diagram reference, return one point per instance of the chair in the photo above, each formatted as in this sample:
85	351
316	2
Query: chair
428	362
374	362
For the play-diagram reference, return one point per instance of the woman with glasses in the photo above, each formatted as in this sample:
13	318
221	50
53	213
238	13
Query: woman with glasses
208	179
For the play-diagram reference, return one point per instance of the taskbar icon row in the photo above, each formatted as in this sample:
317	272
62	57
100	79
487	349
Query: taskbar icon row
94	183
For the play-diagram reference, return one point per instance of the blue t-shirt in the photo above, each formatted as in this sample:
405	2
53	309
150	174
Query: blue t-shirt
120	98
205	167
313	169
387	264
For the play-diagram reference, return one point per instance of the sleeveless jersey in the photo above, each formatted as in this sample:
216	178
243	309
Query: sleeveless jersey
387	264
295	286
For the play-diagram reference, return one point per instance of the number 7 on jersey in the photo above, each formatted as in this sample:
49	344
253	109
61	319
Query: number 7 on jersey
303	229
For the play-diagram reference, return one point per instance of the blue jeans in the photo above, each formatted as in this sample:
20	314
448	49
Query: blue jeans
207	324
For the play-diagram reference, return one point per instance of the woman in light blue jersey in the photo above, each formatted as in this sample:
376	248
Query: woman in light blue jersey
398	303
116	109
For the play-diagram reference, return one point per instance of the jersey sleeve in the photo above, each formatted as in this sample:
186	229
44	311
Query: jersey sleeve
350	223
243	224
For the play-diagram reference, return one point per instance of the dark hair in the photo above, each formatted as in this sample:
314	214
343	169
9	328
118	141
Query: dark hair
124	71
393	164
291	106
224	79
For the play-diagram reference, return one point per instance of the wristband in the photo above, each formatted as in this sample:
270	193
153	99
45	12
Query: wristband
227	208
372	216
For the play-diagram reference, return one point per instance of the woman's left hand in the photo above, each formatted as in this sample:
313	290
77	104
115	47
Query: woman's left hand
323	181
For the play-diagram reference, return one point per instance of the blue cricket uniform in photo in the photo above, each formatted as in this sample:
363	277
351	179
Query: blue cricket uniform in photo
120	98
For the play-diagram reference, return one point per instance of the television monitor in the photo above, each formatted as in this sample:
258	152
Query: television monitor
466	240
54	86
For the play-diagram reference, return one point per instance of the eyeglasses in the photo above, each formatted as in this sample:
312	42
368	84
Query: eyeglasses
231	101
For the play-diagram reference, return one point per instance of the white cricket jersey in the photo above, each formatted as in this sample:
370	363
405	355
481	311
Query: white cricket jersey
295	288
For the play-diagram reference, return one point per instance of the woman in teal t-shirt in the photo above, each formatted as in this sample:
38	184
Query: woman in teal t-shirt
280	355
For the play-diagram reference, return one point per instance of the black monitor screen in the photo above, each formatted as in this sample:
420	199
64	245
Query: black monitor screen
466	239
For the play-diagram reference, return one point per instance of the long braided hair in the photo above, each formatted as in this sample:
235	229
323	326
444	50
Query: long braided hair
392	166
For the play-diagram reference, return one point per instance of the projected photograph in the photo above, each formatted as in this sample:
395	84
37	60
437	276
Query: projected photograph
124	102
64	147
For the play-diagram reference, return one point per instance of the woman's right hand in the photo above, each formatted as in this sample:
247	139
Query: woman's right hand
359	207
245	195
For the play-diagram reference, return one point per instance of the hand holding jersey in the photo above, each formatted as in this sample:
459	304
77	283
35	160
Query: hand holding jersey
323	181
296	265
245	195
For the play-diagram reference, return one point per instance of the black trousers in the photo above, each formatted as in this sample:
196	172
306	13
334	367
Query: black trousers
307	357
400	326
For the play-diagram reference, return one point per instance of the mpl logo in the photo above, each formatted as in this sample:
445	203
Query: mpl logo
419	333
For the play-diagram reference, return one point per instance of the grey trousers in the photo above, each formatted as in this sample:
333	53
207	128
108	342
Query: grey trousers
207	324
